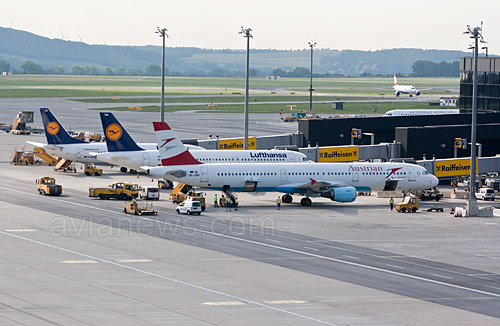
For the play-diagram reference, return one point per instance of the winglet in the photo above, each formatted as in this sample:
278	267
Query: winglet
172	150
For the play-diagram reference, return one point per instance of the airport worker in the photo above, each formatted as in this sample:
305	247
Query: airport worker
215	200
236	204
278	202
391	203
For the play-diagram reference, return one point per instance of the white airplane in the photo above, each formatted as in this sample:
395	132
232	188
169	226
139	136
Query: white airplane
61	144
337	181
404	89
123	151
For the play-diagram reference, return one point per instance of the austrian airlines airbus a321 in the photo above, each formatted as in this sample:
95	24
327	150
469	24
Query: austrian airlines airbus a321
337	181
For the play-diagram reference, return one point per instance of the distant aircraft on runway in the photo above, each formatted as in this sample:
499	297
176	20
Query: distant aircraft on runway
336	181
404	89
123	151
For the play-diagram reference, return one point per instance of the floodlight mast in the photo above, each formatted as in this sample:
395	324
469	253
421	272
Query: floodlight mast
312	44
246	33
163	34
476	34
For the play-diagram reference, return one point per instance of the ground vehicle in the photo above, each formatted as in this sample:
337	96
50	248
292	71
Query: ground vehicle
431	194
132	207
47	186
409	204
165	183
149	192
189	207
91	169
118	190
485	194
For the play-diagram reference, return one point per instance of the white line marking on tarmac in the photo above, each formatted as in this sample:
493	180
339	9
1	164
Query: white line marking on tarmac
169	279
400	267
442	276
225	303
260	244
19	230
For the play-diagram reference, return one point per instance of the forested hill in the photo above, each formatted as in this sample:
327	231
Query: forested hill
18	47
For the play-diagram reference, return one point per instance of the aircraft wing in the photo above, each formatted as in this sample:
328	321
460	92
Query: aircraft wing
319	186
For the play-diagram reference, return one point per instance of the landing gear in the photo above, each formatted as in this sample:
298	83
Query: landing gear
123	169
286	199
305	201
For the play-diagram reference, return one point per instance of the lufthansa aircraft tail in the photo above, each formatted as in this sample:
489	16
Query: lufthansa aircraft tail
172	150
117	138
54	131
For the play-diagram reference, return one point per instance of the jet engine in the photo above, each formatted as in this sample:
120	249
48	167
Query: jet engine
340	194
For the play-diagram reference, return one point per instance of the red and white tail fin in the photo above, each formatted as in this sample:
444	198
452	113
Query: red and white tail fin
395	80
172	150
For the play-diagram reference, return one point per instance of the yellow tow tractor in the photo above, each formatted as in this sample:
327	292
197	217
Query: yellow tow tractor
47	186
409	204
132	207
118	190
91	169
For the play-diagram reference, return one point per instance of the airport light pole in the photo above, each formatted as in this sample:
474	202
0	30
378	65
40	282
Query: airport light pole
163	34
311	45
472	208
246	33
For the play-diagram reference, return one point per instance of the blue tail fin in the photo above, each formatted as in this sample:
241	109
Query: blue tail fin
117	138
54	131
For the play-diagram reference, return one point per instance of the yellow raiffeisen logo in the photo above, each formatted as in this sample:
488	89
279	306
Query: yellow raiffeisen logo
453	167
52	127
113	131
338	154
238	143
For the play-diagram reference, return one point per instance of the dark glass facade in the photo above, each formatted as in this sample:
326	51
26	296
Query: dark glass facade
488	84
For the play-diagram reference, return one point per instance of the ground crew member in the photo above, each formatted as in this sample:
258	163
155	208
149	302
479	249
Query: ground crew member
236	204
391	203
215	200
278	202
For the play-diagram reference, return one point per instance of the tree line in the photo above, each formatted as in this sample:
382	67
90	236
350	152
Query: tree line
421	68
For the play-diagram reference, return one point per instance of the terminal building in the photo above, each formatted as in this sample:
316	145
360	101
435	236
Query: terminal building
488	84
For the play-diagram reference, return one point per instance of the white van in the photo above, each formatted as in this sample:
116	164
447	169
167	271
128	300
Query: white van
485	194
189	207
149	192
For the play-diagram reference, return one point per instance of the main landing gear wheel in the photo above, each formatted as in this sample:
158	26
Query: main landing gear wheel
287	198
305	201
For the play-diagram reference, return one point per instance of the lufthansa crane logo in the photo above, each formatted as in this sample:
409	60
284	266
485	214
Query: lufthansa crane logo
53	128
113	131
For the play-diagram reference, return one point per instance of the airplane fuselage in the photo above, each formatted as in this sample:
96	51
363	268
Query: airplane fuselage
294	177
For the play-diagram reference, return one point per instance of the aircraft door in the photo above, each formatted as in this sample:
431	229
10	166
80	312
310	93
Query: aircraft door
146	159
411	173
355	176
204	174
283	174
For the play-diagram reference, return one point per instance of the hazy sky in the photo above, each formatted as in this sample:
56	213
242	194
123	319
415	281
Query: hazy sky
281	24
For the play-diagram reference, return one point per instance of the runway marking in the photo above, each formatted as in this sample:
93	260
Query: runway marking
133	260
311	248
247	241
493	287
285	301
199	287
19	230
79	262
225	303
400	267
442	276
